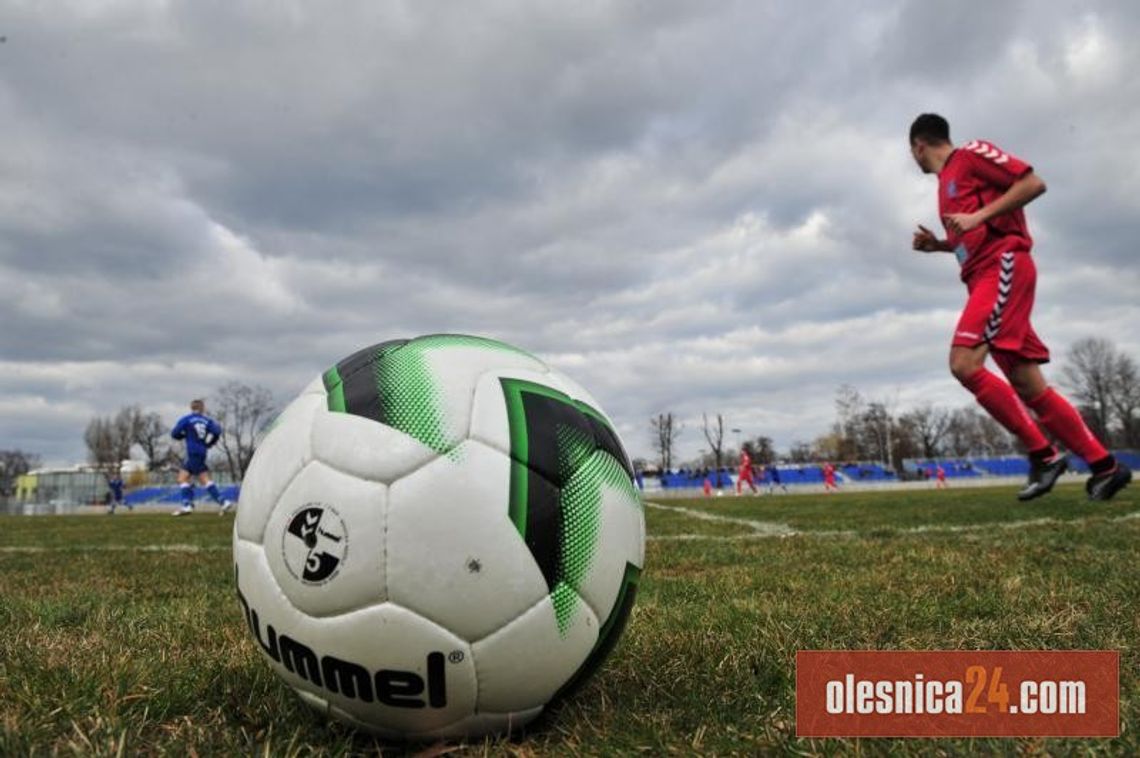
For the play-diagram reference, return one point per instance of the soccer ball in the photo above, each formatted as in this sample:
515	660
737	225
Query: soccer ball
438	538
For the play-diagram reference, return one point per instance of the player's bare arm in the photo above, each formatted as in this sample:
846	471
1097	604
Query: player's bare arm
925	241
1020	193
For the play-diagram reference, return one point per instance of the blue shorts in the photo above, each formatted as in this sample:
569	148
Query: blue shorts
195	464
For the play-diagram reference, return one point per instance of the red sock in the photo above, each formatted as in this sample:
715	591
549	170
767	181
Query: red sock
1061	418
1003	404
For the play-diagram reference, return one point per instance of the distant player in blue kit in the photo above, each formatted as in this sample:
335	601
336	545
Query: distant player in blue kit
200	432
774	480
115	499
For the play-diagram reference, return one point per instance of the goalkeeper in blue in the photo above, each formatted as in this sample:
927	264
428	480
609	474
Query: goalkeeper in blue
201	433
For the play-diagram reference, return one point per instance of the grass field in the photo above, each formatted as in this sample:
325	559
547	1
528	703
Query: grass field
122	636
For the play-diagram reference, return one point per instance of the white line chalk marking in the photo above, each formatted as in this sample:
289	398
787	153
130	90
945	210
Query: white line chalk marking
769	529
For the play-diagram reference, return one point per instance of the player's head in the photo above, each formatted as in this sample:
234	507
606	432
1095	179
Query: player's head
928	133
198	405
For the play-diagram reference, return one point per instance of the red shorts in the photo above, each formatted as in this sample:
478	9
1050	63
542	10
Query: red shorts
998	308
745	475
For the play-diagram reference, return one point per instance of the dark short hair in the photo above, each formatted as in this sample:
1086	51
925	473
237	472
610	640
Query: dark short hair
197	405
930	128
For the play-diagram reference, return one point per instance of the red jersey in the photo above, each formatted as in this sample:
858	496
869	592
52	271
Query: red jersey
975	175
745	461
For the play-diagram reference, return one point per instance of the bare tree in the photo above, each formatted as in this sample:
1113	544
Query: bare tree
761	450
970	432
800	452
1089	374
123	431
151	435
1105	385
827	447
1126	400
97	437
14	463
875	433
665	431
848	440
243	412
109	440
928	426
995	439
715	437
962	434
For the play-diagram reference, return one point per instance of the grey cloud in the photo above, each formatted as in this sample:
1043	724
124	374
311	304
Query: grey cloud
688	207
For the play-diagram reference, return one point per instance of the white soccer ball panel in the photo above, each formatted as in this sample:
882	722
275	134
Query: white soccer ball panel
324	541
366	448
453	554
384	666
534	644
303	406
489	422
281	455
460	366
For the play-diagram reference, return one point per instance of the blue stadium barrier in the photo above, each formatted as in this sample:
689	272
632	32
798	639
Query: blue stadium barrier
866	472
1002	466
1018	465
173	494
686	479
955	469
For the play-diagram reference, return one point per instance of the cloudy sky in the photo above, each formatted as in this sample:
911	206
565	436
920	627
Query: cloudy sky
687	206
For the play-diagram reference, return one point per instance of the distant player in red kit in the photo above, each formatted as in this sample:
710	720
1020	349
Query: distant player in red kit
981	192
940	473
745	472
829	484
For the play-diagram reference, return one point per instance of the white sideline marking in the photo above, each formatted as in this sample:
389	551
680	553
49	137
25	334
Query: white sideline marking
174	548
768	529
759	528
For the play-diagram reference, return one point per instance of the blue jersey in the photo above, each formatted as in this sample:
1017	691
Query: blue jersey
200	433
116	486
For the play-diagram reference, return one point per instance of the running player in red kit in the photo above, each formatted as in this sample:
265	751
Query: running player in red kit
829	484
745	472
981	192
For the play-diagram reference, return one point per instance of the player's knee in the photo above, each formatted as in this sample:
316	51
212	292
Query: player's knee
963	365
